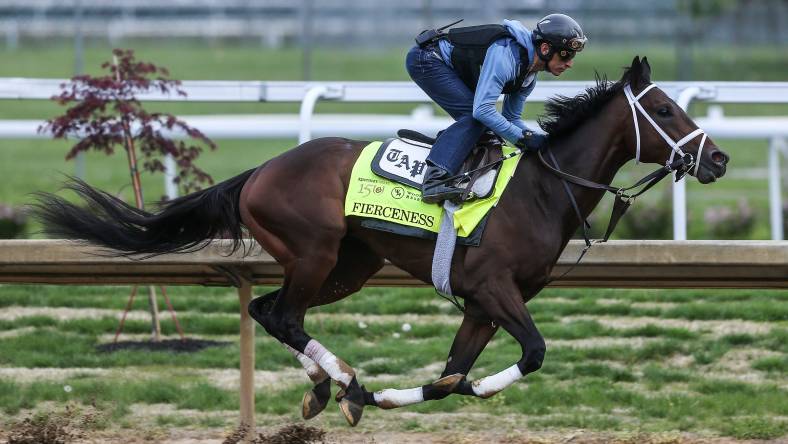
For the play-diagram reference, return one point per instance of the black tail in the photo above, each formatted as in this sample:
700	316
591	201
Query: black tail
182	225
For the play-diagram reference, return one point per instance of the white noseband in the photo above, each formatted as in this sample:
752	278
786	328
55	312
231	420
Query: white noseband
634	101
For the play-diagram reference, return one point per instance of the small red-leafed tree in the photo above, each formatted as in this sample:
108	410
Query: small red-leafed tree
104	113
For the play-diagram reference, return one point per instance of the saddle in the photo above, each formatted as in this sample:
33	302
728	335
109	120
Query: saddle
403	160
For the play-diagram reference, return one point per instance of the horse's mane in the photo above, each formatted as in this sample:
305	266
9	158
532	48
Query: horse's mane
564	114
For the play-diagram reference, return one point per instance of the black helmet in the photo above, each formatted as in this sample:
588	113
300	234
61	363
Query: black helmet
561	32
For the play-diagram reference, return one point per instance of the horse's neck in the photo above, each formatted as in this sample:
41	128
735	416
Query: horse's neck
594	151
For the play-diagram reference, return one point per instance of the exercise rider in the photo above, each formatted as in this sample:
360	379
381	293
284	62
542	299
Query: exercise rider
466	69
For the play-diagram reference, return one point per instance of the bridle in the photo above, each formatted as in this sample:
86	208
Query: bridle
634	103
680	165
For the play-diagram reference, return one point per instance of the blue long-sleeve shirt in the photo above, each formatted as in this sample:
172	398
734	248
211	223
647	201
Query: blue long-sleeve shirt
500	66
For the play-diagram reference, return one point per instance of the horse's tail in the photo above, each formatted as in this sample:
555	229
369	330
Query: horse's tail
185	224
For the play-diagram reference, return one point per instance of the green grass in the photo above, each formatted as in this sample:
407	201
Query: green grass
121	394
750	310
754	428
776	364
577	386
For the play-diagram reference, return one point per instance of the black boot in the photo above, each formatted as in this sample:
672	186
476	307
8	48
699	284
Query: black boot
432	191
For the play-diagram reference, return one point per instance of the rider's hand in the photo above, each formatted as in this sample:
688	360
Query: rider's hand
532	141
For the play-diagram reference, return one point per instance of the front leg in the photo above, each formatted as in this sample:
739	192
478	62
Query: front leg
473	335
504	304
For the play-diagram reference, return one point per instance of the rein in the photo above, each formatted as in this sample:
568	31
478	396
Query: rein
623	200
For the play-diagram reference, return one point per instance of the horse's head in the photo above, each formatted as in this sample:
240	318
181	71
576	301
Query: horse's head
664	132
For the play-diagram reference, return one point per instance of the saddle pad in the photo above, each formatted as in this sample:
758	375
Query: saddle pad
404	161
372	196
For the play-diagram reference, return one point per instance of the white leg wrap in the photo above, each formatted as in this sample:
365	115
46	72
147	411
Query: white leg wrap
392	398
335	367
490	385
315	373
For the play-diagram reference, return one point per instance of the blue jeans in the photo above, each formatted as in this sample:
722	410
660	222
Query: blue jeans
444	86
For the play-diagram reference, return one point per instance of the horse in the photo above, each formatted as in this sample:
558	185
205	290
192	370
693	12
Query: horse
293	206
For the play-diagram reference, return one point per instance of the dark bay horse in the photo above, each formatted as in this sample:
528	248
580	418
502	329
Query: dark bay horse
293	205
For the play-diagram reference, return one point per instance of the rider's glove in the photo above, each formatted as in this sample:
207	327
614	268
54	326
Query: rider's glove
532	141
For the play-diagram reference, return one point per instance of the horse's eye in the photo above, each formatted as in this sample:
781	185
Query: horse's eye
663	111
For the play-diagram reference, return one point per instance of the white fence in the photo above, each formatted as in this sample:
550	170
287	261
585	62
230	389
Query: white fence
309	93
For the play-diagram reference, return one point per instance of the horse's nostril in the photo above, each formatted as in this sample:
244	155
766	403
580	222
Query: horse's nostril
719	157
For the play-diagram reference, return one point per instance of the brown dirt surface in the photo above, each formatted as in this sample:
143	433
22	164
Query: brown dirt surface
55	427
293	434
299	433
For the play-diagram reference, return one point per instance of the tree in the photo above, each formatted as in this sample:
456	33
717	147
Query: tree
104	113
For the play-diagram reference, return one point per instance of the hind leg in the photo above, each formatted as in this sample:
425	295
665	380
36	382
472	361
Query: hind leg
261	309
304	235
316	399
356	263
285	322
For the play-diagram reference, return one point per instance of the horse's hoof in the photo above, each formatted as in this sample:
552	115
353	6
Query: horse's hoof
311	405
448	383
351	402
340	394
351	410
316	399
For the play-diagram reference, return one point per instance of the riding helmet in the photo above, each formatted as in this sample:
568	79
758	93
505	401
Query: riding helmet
561	32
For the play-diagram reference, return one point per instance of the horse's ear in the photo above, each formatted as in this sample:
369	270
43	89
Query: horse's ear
632	73
634	69
645	72
639	73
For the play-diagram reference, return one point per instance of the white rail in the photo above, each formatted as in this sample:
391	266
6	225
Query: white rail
285	91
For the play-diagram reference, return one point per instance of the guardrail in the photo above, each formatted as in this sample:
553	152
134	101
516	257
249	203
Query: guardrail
623	264
309	93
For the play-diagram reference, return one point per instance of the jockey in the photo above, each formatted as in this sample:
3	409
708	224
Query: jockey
467	69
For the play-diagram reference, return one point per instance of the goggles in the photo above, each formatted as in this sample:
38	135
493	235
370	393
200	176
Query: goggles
577	43
569	50
566	55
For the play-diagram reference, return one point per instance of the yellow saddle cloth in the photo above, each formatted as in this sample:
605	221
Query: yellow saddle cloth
372	196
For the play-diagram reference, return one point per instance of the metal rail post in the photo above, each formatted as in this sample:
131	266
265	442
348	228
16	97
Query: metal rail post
680	187
170	173
311	97
247	361
776	146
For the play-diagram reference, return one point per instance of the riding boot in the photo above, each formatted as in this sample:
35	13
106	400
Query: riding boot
433	191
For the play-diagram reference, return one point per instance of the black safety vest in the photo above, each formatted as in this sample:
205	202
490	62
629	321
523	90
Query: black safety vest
470	48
